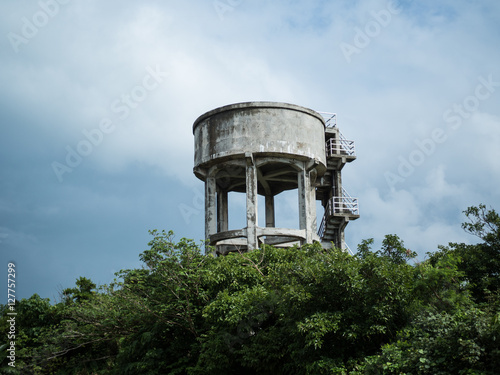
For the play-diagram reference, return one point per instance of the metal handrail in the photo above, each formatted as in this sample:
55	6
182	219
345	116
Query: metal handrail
345	193
338	205
348	248
330	119
322	226
339	146
342	205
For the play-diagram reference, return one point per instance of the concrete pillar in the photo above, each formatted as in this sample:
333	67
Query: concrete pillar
307	205
222	211
337	184
312	199
210	207
270	221
251	193
338	238
302	199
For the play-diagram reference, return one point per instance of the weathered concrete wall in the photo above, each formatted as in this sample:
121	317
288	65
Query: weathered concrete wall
259	148
262	129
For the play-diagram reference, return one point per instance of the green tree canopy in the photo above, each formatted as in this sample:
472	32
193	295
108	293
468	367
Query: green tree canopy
301	310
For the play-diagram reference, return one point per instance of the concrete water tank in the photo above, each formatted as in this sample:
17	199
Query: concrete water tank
259	148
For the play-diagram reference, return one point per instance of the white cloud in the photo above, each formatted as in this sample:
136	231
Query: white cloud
424	216
392	94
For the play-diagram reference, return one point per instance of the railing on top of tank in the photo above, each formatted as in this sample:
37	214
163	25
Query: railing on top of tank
330	119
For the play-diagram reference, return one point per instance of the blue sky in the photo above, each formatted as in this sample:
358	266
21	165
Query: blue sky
99	98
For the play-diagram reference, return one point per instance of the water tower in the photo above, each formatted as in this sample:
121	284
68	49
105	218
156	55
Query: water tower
265	148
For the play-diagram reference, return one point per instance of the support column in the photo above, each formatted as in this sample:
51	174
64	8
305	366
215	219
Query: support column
210	207
270	221
251	193
337	184
222	211
307	205
337	241
342	238
312	199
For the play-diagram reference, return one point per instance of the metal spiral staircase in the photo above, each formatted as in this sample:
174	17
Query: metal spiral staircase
339	206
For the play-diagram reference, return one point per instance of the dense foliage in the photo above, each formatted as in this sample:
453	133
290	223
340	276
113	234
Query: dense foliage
276	311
